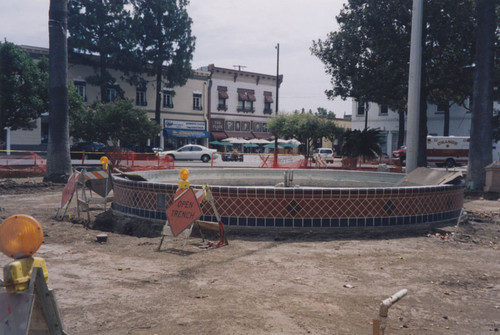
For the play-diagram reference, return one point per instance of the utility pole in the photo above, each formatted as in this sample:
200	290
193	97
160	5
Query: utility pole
275	163
414	86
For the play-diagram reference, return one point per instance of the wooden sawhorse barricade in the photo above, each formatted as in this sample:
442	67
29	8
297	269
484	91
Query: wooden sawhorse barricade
93	188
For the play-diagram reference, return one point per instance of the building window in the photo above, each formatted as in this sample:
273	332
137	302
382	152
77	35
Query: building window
222	105
140	97
384	110
361	109
197	101
81	89
246	99
268	100
168	99
267	108
111	94
223	96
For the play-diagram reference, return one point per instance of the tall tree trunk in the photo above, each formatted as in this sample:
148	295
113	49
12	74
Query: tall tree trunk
446	126
482	106
366	115
104	78
401	134
58	157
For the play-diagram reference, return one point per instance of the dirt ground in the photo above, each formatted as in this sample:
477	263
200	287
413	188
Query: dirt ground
308	283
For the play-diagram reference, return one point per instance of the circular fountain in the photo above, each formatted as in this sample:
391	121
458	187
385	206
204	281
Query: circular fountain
294	199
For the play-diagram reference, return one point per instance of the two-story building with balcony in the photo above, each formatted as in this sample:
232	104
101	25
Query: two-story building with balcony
240	103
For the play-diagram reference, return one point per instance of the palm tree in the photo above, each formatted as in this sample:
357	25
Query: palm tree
365	143
58	156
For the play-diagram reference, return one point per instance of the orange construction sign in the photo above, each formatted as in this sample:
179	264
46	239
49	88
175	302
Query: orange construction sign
69	189
183	212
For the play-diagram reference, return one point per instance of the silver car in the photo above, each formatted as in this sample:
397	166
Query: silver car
190	152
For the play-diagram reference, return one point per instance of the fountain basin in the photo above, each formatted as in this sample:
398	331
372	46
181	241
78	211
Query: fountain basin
248	198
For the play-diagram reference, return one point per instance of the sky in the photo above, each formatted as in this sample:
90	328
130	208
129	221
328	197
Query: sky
229	33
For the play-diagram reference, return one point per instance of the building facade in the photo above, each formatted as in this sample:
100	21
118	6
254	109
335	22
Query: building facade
183	110
215	103
240	103
387	121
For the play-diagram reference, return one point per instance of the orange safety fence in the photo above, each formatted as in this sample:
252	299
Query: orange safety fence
134	161
22	164
288	162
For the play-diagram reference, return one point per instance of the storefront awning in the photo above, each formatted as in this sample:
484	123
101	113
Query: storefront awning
219	134
262	135
244	134
186	133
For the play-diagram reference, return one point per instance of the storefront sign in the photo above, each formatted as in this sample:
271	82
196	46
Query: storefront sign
184	125
217	125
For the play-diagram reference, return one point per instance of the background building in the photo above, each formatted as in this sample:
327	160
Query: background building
240	103
214	103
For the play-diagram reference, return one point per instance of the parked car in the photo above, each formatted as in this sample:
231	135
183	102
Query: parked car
190	152
324	154
93	150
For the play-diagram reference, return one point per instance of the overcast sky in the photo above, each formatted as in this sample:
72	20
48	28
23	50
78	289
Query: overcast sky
228	33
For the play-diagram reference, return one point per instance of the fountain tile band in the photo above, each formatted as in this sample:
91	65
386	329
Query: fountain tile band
256	206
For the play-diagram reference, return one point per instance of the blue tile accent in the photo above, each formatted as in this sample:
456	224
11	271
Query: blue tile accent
269	222
369	222
385	222
261	222
297	223
344	222
377	222
325	223
278	222
334	223
233	221
288	222
251	222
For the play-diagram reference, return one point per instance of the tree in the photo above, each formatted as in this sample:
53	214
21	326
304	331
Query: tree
482	107
332	132
166	46
58	156
81	121
367	58
305	127
450	55
364	143
121	123
101	28
325	114
22	88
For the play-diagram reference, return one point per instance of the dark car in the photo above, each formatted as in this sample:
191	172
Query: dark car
88	150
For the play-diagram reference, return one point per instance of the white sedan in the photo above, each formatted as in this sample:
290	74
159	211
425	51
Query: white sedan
190	152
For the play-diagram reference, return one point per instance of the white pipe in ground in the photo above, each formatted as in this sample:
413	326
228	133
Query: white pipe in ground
379	324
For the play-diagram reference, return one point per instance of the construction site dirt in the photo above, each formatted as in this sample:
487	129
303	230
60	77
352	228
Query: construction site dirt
267	283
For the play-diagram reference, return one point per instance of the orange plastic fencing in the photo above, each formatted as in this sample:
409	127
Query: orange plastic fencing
288	162
22	164
133	161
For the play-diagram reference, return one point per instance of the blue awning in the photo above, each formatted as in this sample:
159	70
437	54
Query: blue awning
186	133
